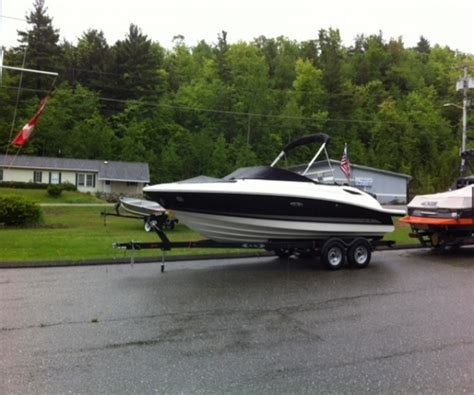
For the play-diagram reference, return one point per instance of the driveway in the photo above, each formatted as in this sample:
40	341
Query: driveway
259	325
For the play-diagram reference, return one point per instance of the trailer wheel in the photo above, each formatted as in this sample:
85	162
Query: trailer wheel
169	224
333	254
359	253
284	252
148	226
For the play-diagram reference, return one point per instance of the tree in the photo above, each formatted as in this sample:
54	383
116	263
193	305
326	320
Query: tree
310	93
369	59
91	138
134	72
221	50
423	45
219	160
65	110
92	61
250	83
41	44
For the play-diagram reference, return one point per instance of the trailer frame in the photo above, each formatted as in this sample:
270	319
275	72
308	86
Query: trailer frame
443	237
333	251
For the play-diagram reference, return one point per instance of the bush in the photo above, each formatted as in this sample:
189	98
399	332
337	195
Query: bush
15	210
22	185
67	186
54	190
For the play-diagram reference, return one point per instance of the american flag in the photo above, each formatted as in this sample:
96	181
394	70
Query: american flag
346	165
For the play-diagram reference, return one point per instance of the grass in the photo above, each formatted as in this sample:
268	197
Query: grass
400	234
78	233
41	196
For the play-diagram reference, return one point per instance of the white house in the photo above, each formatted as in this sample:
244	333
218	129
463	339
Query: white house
126	178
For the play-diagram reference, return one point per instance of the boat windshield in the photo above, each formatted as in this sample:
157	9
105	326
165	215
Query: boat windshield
266	173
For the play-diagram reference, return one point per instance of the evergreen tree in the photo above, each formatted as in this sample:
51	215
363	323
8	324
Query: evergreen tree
92	61
41	44
134	72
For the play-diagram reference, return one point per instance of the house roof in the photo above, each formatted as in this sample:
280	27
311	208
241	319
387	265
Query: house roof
335	164
107	170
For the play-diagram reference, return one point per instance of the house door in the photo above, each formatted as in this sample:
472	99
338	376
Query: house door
107	186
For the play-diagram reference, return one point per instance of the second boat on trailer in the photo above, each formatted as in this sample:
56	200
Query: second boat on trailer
274	206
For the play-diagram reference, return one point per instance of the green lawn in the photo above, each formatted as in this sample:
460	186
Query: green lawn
400	235
41	196
76	233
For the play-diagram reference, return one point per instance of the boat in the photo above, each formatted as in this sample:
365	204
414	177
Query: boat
443	219
264	203
148	210
141	207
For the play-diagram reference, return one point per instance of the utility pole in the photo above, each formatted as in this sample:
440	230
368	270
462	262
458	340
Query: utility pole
464	121
1	64
464	84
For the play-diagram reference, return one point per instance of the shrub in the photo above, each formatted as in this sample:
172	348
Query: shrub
67	186
15	210
22	185
54	190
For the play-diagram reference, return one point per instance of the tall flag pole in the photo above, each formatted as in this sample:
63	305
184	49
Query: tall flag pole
346	165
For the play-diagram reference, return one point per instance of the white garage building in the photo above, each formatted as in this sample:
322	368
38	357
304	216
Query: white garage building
388	186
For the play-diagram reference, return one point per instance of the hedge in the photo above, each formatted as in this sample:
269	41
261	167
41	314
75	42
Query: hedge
67	186
16	210
22	185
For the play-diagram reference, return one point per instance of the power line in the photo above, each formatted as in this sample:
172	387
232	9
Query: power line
13	18
226	112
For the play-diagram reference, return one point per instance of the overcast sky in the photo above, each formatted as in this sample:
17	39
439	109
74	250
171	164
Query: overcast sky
441	22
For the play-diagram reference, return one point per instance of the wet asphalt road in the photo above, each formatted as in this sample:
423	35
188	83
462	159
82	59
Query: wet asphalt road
404	324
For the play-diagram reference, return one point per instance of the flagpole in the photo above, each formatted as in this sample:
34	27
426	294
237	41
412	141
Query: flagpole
29	70
22	70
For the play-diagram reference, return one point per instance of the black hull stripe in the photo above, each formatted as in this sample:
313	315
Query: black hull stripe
269	207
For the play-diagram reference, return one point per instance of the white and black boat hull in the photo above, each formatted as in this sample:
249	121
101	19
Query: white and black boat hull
224	228
248	211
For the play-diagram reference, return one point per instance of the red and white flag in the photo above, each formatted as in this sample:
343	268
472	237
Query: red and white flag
346	165
23	135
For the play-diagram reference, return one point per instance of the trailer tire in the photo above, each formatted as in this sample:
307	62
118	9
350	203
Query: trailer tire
169	224
148	226
333	254
359	254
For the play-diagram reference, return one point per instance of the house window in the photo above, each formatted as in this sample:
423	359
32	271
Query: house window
55	178
85	180
107	182
132	184
38	177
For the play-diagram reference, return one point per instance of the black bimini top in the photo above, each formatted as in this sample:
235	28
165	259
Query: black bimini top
266	173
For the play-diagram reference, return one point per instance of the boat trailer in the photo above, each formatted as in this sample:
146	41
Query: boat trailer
443	237
167	222
333	251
